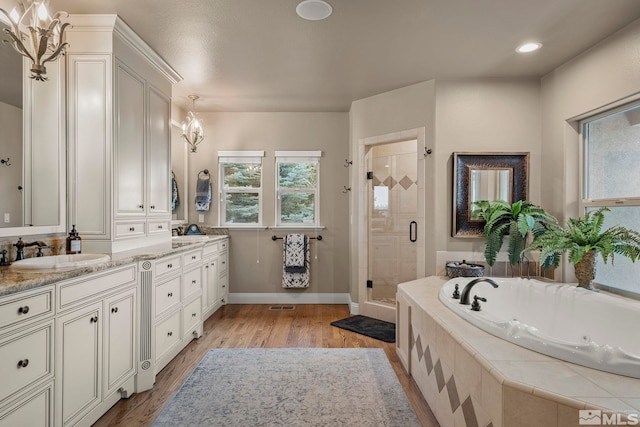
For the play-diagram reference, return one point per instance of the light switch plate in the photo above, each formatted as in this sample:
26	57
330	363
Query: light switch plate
7	217
200	218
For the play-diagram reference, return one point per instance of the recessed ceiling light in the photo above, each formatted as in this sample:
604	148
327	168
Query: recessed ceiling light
314	10
528	47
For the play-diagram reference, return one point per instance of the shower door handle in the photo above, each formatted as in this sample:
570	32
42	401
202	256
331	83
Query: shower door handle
413	231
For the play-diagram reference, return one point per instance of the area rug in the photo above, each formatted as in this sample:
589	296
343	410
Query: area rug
290	387
374	328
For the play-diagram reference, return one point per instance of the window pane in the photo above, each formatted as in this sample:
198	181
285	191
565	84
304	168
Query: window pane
613	151
297	175
622	274
241	175
242	208
297	208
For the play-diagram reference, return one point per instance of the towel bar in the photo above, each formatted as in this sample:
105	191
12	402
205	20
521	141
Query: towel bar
274	238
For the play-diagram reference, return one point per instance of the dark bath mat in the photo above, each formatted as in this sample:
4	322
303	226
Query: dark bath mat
374	328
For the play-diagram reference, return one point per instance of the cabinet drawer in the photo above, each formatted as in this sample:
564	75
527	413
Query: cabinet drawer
223	245
129	229
167	265
157	227
167	296
191	283
222	263
223	287
14	310
36	410
191	258
90	287
192	315
167	335
210	248
26	359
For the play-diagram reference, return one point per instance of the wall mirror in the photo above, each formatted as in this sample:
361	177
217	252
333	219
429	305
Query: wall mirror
32	178
179	175
485	176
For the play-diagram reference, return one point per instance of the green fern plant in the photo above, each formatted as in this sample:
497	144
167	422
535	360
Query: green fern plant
583	235
517	220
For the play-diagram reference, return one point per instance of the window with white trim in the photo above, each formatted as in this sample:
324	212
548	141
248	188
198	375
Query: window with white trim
610	176
297	188
240	187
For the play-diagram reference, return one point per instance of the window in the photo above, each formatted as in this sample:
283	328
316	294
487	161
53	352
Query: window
611	153
240	188
297	182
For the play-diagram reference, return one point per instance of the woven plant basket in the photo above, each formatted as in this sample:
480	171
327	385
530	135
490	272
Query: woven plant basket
463	269
586	270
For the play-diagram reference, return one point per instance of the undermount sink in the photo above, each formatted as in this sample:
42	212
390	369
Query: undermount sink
191	238
59	262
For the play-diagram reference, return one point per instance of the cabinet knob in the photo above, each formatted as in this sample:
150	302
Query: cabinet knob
193	314
159	227
169	334
193	257
23	363
153	206
140	206
224	262
169	265
114	310
94	319
23	310
206	266
224	286
170	294
193	282
132	229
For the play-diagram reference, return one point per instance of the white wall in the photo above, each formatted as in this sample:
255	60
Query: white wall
327	132
11	176
605	75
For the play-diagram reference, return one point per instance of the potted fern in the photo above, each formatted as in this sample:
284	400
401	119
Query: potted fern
517	220
583	239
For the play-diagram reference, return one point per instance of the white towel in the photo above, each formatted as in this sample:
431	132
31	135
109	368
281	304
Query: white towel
296	259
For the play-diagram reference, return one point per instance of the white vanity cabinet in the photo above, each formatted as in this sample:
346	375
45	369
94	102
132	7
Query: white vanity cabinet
119	127
95	343
26	358
216	289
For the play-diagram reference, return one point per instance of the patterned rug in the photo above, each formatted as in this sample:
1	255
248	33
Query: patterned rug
290	387
374	328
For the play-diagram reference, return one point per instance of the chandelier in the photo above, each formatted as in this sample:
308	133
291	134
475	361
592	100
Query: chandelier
41	41
192	130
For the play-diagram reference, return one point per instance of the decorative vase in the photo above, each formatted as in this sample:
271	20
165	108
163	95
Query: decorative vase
586	270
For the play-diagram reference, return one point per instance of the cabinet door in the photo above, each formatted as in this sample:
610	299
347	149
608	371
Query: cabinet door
223	289
158	153
78	363
129	142
120	340
212	282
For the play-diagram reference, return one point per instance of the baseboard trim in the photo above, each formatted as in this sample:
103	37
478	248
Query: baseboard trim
289	298
354	307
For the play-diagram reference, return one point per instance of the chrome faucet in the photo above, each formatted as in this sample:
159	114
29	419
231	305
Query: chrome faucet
464	297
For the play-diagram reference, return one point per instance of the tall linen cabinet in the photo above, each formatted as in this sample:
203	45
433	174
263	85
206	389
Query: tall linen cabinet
119	130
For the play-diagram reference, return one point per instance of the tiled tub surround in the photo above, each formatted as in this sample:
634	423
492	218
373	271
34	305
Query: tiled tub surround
471	378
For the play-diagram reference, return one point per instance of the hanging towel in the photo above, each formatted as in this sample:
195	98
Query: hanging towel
203	194
175	197
296	259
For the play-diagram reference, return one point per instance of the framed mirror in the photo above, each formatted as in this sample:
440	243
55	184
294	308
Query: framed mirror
32	139
485	176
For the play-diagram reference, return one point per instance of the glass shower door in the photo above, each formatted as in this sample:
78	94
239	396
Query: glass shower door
392	198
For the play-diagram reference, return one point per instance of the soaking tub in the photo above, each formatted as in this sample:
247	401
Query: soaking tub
562	321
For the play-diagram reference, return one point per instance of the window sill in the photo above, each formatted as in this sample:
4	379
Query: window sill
297	227
242	227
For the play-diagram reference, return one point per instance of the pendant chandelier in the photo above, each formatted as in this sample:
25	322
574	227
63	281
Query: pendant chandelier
192	130
41	40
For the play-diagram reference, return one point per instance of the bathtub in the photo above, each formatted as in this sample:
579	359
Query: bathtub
588	328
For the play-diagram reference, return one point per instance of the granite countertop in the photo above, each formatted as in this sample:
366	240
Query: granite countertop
12	281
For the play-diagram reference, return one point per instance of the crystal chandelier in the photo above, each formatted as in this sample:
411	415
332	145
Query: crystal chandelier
41	41
192	130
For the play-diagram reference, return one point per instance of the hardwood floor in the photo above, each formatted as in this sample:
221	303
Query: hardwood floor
247	326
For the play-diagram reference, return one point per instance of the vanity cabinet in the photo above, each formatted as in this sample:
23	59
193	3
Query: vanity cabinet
26	358
96	342
119	121
216	289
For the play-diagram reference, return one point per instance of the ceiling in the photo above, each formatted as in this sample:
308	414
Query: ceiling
258	55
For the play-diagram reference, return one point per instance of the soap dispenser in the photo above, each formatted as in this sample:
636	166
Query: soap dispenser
74	242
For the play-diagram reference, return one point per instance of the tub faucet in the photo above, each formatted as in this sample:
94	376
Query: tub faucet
464	297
